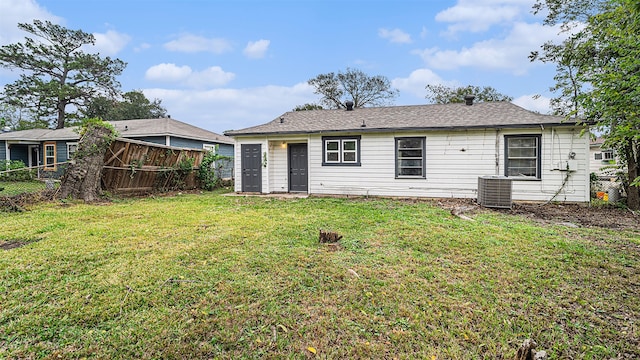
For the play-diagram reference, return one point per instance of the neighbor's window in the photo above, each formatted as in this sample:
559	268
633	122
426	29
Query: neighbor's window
71	149
50	156
410	159
209	147
522	156
598	156
341	150
607	155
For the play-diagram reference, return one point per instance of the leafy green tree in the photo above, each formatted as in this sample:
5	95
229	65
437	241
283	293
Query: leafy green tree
441	94
56	72
18	119
353	85
133	105
605	88
308	107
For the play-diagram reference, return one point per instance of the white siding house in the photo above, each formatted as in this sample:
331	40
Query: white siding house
418	151
602	159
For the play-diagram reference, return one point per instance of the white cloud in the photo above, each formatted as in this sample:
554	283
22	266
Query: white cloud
111	42
510	53
191	44
142	47
540	104
395	36
416	82
168	73
20	11
480	15
424	32
225	109
256	49
171	73
213	76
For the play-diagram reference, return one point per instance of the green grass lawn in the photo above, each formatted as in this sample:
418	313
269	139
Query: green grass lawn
210	276
11	188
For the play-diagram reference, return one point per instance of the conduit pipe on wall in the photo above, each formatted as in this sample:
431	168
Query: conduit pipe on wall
497	153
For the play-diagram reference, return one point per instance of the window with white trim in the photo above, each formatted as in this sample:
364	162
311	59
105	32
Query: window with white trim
608	155
214	150
410	157
341	150
49	156
210	147
72	148
598	156
523	156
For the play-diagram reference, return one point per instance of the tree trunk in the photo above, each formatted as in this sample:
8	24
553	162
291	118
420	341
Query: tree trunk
81	180
633	161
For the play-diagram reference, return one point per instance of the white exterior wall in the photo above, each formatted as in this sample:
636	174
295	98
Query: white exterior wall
275	177
596	166
450	171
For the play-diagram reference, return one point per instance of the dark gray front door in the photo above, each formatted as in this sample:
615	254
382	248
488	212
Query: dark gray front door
251	167
298	167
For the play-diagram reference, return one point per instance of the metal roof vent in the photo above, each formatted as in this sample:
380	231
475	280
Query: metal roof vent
349	105
468	99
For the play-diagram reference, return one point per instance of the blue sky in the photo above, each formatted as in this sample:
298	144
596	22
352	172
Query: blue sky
225	65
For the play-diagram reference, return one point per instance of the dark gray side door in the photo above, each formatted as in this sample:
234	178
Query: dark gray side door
298	174
251	163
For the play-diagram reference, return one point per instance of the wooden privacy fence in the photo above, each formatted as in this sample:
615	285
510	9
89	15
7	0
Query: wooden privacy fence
133	167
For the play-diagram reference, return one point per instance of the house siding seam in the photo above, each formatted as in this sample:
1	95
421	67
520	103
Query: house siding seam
186	143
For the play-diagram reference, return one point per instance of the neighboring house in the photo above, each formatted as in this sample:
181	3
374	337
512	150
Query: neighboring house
50	148
601	159
415	151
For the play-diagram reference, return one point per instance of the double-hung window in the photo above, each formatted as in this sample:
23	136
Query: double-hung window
608	155
49	156
341	150
71	149
410	157
523	156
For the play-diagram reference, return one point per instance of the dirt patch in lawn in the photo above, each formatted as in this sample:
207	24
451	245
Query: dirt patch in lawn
567	214
583	215
15	243
18	203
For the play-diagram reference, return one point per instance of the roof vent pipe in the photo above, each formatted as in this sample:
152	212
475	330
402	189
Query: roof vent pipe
468	99
349	105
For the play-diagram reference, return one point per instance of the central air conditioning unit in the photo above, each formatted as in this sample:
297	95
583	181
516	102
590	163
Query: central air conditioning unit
494	191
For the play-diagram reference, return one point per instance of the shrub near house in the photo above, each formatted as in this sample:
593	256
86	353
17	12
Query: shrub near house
15	170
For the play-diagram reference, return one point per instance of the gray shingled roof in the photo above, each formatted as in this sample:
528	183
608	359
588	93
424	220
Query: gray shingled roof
398	118
167	126
127	129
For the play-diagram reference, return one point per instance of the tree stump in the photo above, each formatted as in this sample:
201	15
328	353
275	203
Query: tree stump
329	237
81	179
527	351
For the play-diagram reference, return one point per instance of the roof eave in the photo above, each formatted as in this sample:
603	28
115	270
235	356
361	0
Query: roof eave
159	134
404	129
